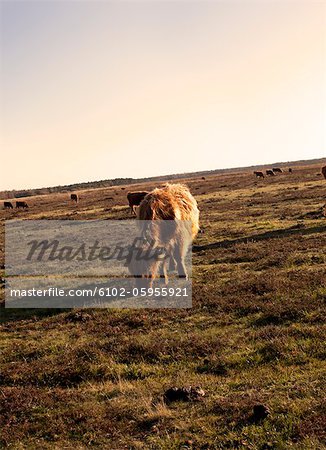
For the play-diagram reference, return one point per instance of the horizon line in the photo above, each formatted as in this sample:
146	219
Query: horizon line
157	177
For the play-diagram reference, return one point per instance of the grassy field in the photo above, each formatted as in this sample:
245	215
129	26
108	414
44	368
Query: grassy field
255	335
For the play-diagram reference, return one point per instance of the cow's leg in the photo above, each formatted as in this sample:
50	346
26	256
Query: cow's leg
165	272
153	272
181	268
172	264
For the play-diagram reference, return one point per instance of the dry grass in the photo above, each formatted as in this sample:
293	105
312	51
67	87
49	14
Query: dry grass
255	334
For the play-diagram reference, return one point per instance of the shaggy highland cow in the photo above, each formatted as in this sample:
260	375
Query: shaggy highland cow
169	221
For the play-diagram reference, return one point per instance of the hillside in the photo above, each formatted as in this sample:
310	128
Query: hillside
127	181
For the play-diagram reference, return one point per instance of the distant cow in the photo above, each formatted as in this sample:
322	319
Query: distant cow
135	198
270	172
7	205
277	170
323	171
203	178
21	204
290	170
74	197
259	174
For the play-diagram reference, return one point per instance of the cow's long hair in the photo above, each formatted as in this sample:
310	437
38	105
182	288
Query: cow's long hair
175	204
171	202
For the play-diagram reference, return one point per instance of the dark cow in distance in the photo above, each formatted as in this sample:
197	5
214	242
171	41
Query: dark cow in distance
74	197
323	171
277	170
7	205
21	204
135	198
259	174
290	170
270	172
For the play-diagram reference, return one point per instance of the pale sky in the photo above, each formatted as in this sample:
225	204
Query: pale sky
93	90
